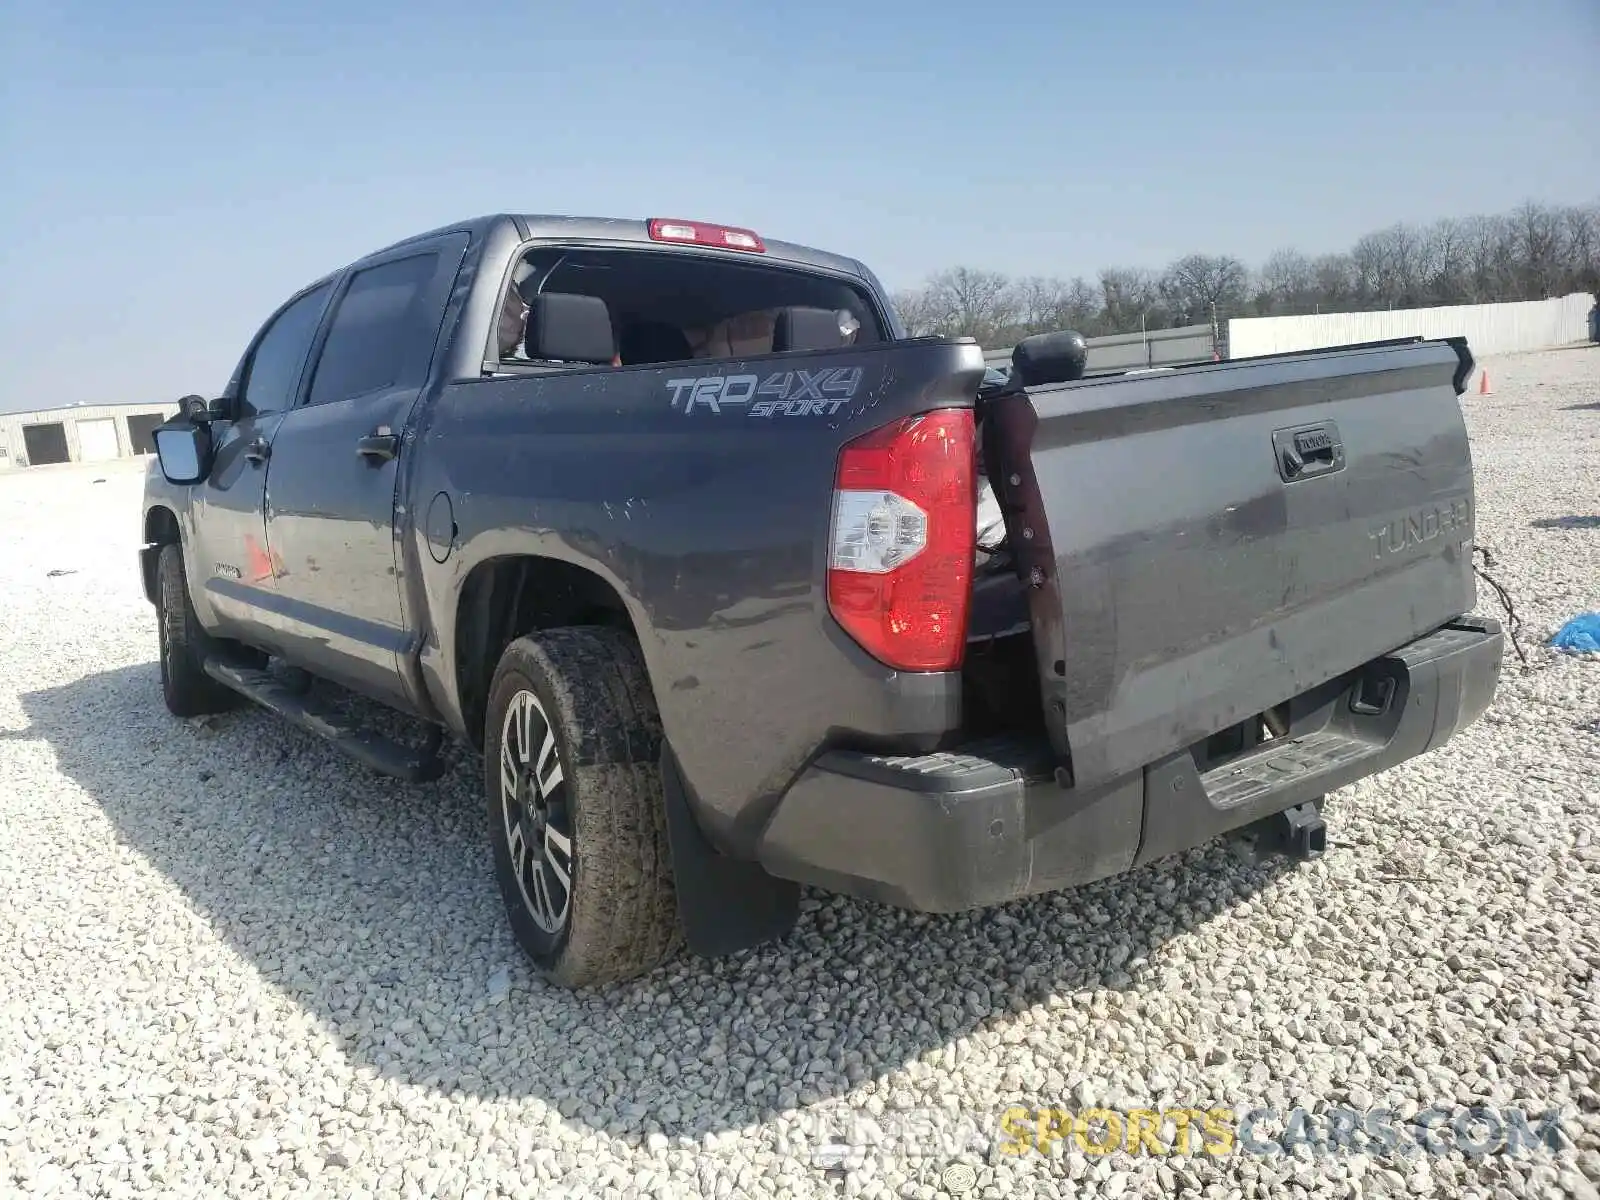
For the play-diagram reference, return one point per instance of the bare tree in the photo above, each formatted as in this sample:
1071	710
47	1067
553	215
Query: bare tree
1537	245
1449	263
1490	254
1082	311
1131	298
1197	285
1285	283
1533	252
971	302
1336	284
1049	303
917	312
1391	266
1039	299
1582	226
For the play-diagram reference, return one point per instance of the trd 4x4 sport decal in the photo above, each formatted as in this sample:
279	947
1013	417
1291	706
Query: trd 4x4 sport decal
781	394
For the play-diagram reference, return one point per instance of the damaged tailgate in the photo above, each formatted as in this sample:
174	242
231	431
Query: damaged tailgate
1204	544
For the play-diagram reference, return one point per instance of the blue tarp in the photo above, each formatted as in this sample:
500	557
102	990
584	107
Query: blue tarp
1579	635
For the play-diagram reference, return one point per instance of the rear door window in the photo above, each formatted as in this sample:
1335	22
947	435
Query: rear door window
377	326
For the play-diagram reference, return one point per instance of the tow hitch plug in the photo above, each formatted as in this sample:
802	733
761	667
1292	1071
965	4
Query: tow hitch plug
1298	831
1302	831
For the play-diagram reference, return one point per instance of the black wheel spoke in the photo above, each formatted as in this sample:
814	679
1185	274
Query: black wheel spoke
538	833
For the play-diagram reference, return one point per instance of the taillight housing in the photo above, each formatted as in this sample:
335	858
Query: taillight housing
901	541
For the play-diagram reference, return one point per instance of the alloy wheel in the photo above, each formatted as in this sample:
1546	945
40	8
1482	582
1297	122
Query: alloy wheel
538	821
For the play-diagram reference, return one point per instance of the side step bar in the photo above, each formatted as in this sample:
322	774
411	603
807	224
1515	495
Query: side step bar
301	707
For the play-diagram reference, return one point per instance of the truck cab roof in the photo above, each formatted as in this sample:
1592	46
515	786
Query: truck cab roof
614	230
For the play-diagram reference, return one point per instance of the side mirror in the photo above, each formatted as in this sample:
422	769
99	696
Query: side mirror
202	411
1050	358
183	450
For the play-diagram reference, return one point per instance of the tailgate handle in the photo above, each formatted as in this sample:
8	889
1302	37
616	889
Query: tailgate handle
1308	450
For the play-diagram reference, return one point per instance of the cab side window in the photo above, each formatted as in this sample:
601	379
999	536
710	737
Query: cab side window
273	375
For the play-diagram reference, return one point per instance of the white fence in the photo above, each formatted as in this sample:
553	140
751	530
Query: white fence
1489	328
1126	351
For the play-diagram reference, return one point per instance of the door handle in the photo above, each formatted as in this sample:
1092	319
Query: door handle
258	451
378	446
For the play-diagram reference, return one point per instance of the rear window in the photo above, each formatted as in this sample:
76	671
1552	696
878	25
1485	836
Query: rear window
671	307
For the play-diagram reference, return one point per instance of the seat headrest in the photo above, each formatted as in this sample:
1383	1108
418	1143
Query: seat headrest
566	327
801	328
653	342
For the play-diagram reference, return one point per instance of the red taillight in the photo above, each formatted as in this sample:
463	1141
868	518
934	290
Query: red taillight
901	543
699	233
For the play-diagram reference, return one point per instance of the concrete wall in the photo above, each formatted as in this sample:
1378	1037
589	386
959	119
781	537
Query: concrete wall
13	451
1128	351
1489	328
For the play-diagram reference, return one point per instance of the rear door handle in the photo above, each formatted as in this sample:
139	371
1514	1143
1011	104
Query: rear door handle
258	451
378	446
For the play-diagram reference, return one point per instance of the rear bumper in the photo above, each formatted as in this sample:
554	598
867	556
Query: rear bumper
951	831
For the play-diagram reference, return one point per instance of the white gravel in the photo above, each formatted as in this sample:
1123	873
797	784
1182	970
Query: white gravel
234	964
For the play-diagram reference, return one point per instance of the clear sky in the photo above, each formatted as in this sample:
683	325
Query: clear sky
170	170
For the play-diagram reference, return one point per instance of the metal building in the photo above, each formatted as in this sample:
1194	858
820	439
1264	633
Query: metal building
79	433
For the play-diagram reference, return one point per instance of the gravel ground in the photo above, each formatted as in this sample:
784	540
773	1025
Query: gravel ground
234	964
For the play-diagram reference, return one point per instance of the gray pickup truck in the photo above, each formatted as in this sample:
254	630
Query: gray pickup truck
680	531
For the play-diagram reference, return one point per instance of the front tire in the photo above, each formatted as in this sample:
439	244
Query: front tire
185	645
577	821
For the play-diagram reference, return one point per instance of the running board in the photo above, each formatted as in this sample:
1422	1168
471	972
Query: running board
304	709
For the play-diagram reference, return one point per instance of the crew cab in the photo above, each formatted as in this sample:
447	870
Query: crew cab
736	587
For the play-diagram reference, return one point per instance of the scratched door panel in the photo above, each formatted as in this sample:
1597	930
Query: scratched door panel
228	562
231	568
330	523
337	459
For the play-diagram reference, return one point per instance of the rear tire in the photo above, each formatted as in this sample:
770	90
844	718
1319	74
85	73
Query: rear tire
577	819
185	646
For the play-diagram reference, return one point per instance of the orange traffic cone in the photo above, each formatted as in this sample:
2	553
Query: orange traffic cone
1483	384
